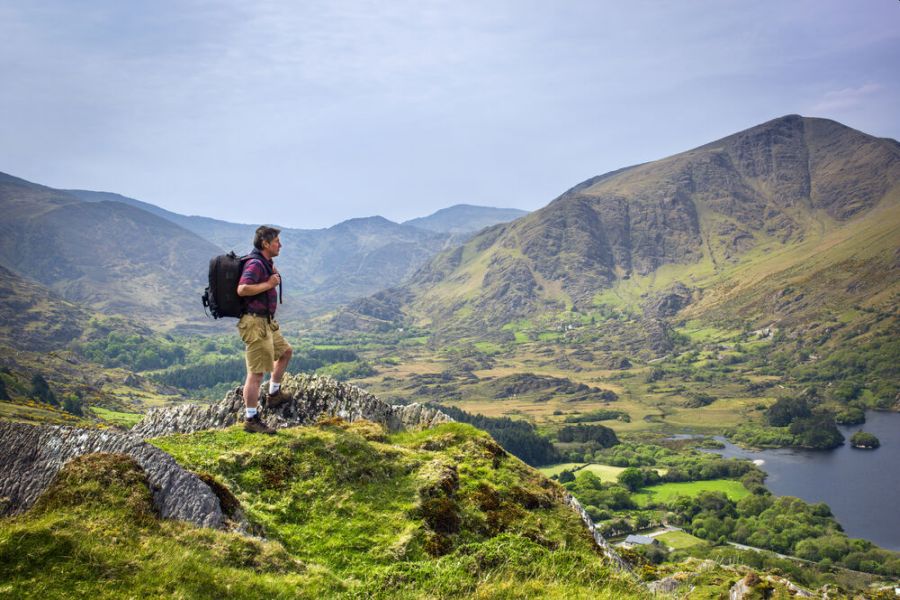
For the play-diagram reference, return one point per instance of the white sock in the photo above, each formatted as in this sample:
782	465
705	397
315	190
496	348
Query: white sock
274	387
251	412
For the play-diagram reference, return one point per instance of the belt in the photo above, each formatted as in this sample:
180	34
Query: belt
264	314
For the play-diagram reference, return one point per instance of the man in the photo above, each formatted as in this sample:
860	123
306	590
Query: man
267	350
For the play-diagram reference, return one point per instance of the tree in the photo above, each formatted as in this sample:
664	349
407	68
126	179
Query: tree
41	391
631	478
786	410
566	476
72	404
863	439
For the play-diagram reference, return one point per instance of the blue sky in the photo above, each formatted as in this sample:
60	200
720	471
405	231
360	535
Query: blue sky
309	113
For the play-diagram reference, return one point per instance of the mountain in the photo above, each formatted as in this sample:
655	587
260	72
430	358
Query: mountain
109	256
353	258
773	197
221	233
465	218
322	268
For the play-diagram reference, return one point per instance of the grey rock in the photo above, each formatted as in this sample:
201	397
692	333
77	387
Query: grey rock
310	397
33	455
667	585
667	303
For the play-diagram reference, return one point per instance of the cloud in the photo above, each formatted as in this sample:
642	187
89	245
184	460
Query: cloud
846	98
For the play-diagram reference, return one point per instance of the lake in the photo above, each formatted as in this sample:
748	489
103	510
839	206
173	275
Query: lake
862	487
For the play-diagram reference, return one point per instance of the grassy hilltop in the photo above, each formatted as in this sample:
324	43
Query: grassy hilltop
343	510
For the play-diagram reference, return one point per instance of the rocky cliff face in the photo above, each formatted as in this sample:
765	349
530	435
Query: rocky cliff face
311	397
32	456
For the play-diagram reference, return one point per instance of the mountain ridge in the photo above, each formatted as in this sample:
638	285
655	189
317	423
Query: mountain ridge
697	212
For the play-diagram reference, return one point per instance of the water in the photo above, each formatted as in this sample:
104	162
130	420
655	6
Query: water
862	487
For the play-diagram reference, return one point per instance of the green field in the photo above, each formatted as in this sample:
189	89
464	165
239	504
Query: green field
558	468
665	492
679	540
117	418
606	473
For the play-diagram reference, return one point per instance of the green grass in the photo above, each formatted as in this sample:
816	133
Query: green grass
606	473
36	412
679	540
667	491
117	418
558	468
488	347
345	511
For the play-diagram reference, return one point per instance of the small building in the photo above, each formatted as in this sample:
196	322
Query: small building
639	540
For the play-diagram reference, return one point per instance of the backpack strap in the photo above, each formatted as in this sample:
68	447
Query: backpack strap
255	255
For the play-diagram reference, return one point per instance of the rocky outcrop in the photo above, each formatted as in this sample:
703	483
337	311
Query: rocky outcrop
33	455
667	303
311	397
753	586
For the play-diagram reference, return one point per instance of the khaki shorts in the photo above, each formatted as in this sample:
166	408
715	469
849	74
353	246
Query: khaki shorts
264	343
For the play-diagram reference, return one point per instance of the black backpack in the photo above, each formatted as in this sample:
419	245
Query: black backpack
221	297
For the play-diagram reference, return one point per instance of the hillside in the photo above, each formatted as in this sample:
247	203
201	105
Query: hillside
334	509
108	256
763	201
35	318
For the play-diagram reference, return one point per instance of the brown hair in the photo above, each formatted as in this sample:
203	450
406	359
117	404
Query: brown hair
264	233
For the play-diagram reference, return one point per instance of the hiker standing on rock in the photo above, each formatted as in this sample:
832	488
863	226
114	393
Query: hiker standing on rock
267	350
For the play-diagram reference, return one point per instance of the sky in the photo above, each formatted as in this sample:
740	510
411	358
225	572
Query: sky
309	113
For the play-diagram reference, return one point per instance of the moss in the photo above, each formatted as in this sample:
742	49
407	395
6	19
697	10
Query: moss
344	516
440	514
486	497
109	481
439	479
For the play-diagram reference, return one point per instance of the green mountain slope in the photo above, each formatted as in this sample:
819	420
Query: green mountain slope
758	202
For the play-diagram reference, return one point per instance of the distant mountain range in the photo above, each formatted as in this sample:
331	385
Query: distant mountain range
109	256
120	255
781	206
465	218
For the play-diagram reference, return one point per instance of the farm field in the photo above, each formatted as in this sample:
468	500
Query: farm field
665	492
679	540
606	473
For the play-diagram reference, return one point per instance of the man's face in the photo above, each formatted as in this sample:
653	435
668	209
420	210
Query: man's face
273	247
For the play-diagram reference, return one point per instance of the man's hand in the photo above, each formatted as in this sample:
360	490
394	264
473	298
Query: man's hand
274	280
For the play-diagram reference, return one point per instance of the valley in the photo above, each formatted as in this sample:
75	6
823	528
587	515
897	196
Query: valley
747	288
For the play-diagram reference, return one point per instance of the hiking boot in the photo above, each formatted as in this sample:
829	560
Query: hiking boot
277	399
255	425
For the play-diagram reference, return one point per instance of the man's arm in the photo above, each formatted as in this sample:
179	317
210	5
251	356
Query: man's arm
252	289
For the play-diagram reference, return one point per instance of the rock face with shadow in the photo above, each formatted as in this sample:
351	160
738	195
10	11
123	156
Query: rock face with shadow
310	397
32	456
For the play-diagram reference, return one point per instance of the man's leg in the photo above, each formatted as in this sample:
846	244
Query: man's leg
252	422
281	365
251	389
